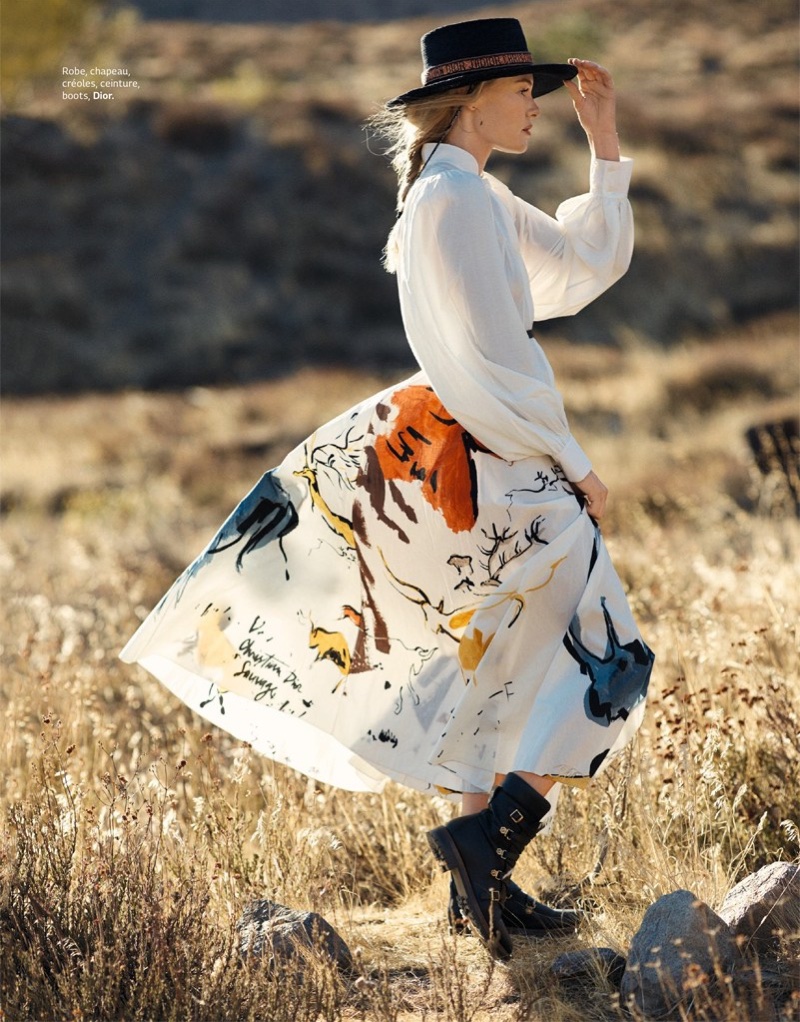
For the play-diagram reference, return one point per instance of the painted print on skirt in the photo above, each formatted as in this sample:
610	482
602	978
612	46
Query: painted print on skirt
395	601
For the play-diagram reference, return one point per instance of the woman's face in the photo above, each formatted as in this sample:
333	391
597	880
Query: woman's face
505	111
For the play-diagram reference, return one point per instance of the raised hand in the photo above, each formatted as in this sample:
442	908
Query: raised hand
594	100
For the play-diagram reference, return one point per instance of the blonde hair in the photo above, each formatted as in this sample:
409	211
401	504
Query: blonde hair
408	129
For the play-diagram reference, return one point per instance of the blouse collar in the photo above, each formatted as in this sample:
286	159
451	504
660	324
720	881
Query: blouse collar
434	153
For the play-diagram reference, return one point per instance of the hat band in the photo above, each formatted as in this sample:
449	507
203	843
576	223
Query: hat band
491	60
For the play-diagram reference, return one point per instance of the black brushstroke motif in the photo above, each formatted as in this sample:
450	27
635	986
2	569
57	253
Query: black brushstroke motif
597	762
499	552
385	735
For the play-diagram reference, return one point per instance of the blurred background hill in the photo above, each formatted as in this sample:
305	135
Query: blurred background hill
223	219
278	11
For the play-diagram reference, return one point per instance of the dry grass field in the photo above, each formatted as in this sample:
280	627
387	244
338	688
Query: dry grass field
132	835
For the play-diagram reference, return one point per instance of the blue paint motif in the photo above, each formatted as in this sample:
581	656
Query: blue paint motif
618	679
266	515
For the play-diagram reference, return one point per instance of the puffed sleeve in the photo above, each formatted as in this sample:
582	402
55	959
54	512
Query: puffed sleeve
575	256
466	331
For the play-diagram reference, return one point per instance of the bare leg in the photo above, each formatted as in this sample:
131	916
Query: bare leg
536	781
475	801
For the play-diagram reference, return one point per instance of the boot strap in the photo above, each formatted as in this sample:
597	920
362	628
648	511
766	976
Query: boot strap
499	894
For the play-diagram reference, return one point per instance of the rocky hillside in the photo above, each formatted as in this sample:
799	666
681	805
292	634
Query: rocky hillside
224	220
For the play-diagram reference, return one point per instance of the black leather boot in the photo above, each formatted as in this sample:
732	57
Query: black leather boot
482	849
523	915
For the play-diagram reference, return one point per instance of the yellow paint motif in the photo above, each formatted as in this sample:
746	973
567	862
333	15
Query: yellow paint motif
571	782
331	646
214	650
339	525
472	648
462	619
213	647
549	578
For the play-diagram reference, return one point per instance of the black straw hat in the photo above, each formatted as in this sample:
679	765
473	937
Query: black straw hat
474	51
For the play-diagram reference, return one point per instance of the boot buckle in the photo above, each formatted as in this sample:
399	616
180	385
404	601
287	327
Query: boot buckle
516	816
501	852
505	831
497	875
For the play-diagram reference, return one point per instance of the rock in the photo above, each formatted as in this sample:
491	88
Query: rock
775	446
681	944
765	905
267	929
591	963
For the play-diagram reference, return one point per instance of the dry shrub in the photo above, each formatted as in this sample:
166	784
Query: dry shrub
108	913
710	385
201	127
569	34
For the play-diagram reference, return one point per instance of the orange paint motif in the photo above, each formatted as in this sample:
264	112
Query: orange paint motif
353	615
426	445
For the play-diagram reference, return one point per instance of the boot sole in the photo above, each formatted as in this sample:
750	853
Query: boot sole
465	930
444	848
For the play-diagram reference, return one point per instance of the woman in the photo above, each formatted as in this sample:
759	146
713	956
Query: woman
420	591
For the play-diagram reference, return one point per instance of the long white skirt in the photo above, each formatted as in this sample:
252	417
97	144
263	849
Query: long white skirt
393	601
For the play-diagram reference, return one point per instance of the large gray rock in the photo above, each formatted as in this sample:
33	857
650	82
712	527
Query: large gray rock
765	906
680	944
283	935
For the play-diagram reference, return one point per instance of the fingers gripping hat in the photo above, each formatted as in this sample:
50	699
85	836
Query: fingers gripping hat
474	51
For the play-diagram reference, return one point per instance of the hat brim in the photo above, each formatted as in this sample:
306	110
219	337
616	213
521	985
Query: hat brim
546	78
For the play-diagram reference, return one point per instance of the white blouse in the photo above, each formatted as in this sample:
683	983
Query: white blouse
476	266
